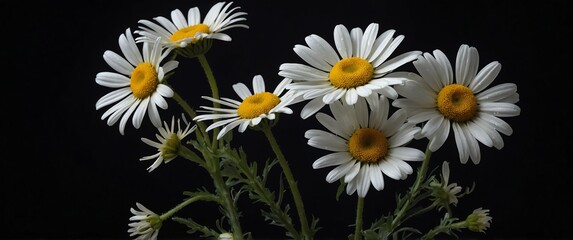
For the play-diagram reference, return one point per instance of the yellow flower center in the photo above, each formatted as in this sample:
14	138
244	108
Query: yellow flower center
457	102
368	145
171	147
351	72
189	32
144	80
255	105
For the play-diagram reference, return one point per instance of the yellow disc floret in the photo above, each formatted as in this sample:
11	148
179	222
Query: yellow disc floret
170	148
457	102
189	32
368	145
351	72
144	80
255	105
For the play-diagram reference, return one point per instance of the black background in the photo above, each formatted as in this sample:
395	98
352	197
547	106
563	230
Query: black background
66	174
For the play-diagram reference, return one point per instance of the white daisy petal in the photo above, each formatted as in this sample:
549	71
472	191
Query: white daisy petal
112	80
230	117
258	84
125	98
309	56
363	180
242	90
342	41
353	172
390	170
354	122
146	224
421	100
333	159
339	171
219	18
485	76
311	108
461	142
352	47
322	48
500	109
376	177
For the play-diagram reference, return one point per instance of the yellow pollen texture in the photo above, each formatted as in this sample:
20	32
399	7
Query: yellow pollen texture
351	72
144	80
189	32
368	145
457	102
255	105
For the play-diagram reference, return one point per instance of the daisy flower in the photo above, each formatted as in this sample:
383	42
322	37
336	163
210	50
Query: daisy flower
251	109
181	31
361	67
365	145
169	142
479	220
444	191
139	82
145	225
462	104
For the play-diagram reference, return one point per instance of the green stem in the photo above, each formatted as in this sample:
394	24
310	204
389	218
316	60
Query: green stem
359	211
290	179
445	228
181	206
413	191
228	203
192	114
190	155
211	164
214	89
263	192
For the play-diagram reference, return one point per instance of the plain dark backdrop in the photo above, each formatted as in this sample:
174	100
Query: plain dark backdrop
65	174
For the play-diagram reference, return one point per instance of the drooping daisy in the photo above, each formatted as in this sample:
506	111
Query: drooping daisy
169	142
252	108
181	31
365	145
361	67
462	104
447	193
145	225
139	82
479	220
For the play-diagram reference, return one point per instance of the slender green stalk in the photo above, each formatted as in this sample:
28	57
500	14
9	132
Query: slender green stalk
440	229
291	181
214	88
228	202
413	191
213	162
190	155
358	226
181	206
260	189
192	114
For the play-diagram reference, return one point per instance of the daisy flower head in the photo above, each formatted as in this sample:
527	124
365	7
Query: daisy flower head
139	83
187	31
459	100
251	109
359	67
479	220
445	192
365	145
169	142
145	225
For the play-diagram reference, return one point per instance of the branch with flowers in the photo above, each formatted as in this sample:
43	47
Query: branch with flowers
370	111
